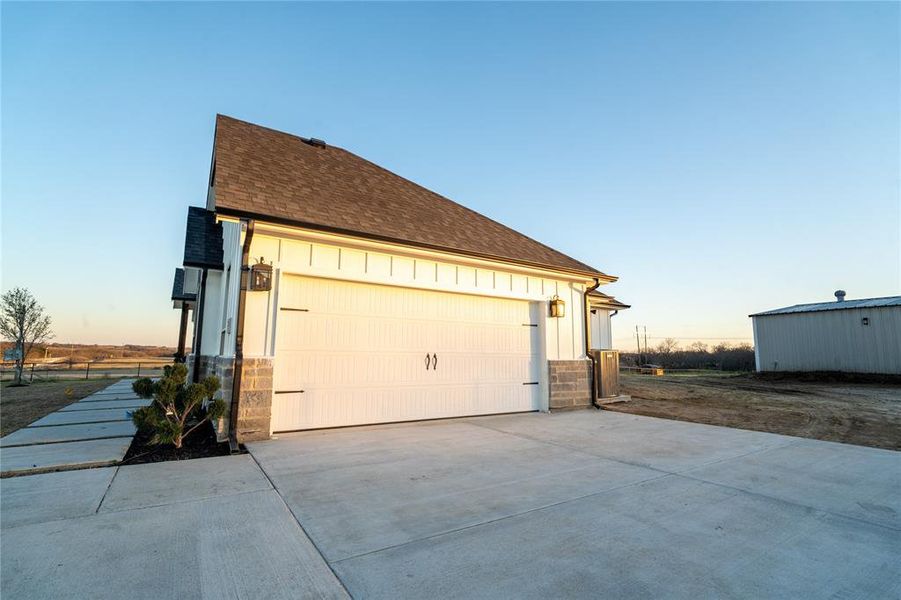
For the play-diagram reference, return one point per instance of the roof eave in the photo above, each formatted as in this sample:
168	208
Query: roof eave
200	265
232	212
610	306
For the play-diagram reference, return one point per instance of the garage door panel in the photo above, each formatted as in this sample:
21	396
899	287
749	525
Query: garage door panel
358	353
347	407
309	369
324	331
331	296
340	297
482	368
306	369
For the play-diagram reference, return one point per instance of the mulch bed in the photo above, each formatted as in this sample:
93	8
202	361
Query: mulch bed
200	444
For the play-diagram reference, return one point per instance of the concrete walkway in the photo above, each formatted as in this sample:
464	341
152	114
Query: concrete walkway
209	529
95	431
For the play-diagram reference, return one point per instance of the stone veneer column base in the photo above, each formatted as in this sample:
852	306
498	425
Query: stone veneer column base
256	394
570	384
255	406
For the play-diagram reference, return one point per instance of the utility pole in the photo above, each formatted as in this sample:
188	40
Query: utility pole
645	339
638	345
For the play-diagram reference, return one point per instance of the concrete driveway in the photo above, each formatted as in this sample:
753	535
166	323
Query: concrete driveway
592	504
207	529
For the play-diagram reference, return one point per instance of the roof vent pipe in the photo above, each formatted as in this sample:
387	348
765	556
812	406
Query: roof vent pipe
839	295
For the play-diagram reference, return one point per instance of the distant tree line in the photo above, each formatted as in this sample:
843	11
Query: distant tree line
697	355
76	353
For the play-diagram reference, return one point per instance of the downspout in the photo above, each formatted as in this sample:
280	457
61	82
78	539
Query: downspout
239	340
594	366
198	331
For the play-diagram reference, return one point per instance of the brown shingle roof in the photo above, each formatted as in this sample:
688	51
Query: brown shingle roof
203	240
266	173
178	287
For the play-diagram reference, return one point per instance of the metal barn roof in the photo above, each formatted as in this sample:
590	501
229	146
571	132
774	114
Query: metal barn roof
843	305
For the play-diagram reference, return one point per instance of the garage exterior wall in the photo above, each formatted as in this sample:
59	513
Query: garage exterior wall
564	337
312	254
212	314
830	340
221	297
569	384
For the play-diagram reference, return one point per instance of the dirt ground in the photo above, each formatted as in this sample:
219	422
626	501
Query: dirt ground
20	406
866	414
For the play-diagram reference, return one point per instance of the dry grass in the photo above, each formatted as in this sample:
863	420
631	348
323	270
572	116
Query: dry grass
21	406
866	414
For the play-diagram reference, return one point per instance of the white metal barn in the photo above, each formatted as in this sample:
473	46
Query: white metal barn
853	336
327	292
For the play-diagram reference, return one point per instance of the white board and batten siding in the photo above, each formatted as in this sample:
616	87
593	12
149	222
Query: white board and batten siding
368	317
222	296
601	331
830	340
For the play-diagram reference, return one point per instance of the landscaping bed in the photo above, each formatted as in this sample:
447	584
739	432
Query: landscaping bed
200	444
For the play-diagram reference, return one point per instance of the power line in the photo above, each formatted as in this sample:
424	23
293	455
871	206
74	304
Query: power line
697	337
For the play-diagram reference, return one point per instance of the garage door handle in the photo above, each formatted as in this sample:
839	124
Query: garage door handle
428	361
434	362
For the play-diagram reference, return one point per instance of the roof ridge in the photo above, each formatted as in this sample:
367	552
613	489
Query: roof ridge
838	302
827	305
258	126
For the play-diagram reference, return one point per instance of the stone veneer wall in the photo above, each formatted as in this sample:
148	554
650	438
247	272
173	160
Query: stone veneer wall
256	394
570	384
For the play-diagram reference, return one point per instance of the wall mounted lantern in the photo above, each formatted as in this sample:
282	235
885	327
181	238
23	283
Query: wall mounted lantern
558	307
261	277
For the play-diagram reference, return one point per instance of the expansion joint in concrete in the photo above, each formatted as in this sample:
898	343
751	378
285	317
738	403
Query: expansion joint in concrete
106	491
299	524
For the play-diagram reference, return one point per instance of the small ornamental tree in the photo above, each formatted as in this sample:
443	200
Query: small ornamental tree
23	322
177	408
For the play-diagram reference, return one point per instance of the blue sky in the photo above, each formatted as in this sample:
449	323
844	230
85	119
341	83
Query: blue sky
720	158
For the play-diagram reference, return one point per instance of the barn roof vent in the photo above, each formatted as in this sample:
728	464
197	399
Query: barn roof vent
316	142
839	295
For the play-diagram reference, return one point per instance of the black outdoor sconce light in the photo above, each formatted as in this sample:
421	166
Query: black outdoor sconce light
261	277
558	307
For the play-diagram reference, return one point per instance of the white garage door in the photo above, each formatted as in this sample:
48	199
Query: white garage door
350	353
